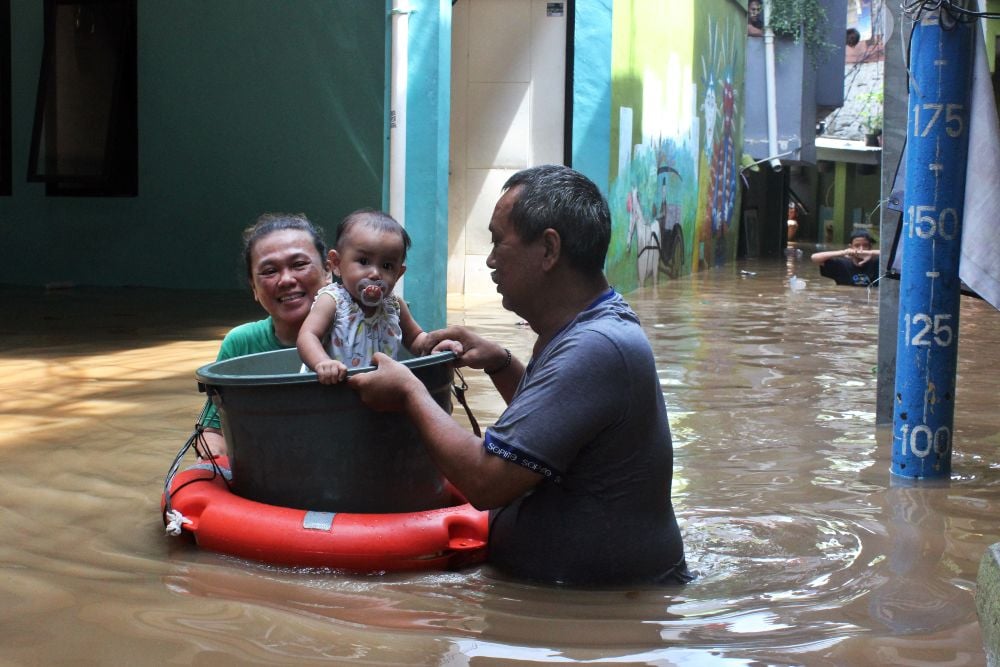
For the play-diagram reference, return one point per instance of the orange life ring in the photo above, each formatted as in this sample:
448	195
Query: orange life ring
221	521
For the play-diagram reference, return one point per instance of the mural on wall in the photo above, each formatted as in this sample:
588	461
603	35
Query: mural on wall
653	180
721	60
674	121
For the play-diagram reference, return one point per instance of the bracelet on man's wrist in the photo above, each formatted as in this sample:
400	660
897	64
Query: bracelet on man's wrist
505	364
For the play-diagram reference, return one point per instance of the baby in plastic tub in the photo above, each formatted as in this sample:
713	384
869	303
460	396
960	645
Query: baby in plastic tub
352	320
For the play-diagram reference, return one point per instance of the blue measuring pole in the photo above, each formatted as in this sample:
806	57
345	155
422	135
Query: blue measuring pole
929	291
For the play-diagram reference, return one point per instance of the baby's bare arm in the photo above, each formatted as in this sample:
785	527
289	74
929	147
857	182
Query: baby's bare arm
315	327
414	338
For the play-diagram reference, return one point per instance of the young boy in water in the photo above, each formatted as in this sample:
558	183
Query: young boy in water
359	316
857	264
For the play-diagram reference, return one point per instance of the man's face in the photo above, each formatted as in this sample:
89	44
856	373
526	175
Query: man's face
754	9
861	243
858	245
516	265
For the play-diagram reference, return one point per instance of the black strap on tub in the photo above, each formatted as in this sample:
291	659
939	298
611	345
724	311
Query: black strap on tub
460	395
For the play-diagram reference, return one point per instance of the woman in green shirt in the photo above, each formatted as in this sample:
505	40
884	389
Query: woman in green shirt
285	257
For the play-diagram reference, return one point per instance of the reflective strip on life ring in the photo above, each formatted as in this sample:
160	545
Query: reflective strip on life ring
221	521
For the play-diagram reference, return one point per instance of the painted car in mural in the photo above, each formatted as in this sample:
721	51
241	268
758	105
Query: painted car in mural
659	238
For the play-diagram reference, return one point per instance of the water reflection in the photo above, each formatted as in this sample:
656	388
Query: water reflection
913	598
806	552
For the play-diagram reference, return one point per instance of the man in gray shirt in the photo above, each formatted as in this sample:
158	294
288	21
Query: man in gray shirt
577	470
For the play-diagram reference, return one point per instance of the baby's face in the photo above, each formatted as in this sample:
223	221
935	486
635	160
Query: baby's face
369	262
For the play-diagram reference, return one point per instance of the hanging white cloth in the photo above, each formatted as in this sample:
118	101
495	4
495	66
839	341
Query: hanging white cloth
980	264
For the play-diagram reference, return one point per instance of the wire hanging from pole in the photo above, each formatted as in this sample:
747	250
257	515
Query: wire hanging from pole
954	10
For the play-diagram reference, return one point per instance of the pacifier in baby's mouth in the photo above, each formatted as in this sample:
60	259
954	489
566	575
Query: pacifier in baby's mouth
372	292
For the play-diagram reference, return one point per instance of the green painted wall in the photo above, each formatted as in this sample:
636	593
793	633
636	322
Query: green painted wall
245	106
991	31
675	119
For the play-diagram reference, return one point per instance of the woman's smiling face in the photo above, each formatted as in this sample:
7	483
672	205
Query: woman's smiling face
286	273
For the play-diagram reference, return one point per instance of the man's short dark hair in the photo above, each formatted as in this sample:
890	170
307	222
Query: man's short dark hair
557	197
860	234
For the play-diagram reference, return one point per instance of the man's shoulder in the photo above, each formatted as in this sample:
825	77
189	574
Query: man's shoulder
609	335
613	317
872	268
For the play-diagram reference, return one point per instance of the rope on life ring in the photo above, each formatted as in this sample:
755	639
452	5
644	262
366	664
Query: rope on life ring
175	521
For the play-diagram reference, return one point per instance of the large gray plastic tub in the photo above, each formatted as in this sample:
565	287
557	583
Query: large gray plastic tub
297	443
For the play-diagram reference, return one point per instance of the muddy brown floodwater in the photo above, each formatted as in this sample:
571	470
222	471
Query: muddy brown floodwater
807	552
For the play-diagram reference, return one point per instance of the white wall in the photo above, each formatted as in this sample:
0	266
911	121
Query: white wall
507	113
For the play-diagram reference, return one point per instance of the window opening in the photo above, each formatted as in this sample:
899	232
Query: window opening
5	141
84	141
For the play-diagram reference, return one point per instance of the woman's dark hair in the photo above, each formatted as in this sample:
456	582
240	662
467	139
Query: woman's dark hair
557	197
380	221
276	222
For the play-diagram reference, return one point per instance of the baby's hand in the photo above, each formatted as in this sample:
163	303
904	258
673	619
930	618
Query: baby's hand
331	371
419	347
448	345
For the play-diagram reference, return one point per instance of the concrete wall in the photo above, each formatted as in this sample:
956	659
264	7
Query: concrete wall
509	87
804	83
794	102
